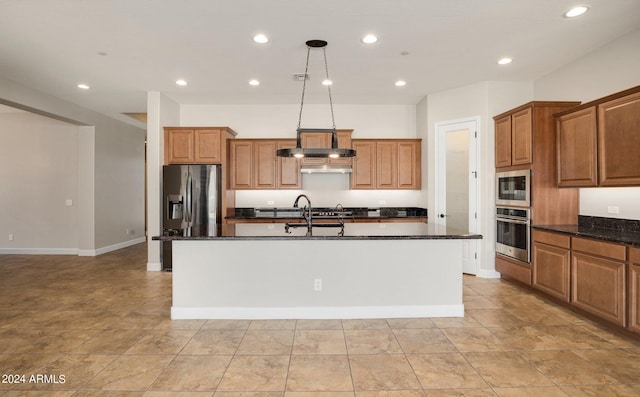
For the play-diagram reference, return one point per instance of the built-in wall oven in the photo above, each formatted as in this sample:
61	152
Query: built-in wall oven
513	228
513	188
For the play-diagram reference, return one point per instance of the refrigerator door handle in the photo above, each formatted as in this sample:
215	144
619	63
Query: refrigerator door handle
188	202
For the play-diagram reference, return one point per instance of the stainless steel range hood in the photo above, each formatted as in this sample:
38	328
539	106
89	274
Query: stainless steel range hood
326	169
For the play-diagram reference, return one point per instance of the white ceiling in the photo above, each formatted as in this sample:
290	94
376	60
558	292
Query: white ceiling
124	48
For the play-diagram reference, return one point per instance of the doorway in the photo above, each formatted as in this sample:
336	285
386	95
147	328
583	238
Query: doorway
456	184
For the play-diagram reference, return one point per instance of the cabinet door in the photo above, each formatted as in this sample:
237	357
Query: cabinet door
241	159
521	137
344	142
363	175
386	165
288	168
598	286
264	164
313	140
551	269
503	142
207	146
179	146
577	148
619	141
409	165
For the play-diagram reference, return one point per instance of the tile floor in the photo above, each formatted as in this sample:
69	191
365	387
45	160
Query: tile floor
102	325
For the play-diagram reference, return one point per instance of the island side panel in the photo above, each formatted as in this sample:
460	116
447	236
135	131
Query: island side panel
271	279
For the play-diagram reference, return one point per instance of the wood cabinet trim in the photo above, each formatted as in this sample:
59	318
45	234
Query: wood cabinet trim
551	238
600	248
634	255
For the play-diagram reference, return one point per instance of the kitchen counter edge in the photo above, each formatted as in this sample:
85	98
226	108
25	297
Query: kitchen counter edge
427	236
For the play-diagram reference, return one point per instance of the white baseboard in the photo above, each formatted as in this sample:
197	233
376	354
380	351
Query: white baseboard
39	251
113	247
71	251
488	274
154	266
317	312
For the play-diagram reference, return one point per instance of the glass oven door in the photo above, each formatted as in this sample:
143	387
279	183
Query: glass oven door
512	238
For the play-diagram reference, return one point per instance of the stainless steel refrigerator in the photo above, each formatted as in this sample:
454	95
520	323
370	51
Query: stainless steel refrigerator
191	203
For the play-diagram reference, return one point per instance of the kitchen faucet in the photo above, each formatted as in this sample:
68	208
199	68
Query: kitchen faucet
306	214
306	217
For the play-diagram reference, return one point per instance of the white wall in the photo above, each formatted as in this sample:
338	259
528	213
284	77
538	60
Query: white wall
161	112
110	170
119	187
39	172
483	100
609	69
280	121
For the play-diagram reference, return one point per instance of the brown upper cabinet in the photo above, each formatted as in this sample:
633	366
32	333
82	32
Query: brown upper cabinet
320	140
619	141
195	145
387	164
599	142
287	168
513	138
577	148
518	130
254	165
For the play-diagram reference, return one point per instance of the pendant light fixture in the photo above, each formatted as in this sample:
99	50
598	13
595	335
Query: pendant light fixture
299	151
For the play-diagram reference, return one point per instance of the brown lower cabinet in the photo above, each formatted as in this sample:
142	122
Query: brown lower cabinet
634	289
598	278
551	260
513	269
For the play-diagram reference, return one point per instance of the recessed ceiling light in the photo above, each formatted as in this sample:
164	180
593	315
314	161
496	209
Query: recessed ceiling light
400	83
504	61
260	38
369	39
83	86
181	82
327	82
254	82
576	11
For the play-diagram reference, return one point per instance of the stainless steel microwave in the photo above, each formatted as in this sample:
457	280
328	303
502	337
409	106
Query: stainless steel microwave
513	188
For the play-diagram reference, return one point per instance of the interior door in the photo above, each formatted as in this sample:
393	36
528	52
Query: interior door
456	183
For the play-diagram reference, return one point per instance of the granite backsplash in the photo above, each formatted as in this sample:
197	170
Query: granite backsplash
628	225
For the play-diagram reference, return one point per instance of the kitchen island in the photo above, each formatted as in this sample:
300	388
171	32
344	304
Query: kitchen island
382	270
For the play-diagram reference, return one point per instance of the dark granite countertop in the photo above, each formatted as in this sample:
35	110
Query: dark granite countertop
358	213
352	231
622	231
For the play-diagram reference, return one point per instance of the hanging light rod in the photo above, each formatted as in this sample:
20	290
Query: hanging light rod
299	151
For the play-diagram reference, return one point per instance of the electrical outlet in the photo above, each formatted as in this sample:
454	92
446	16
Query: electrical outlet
613	209
68	203
317	284
11	237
